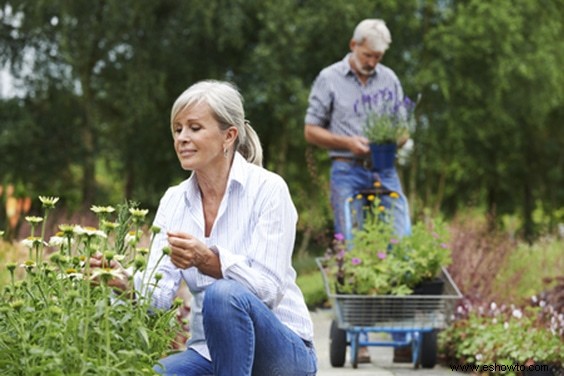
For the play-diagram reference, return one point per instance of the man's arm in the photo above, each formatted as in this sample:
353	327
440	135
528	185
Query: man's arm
320	136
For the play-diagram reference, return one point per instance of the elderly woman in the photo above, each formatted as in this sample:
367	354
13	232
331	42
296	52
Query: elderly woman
231	229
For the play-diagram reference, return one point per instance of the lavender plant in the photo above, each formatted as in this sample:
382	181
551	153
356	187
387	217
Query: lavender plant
388	120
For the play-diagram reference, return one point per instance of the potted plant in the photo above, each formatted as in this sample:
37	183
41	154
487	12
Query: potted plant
389	123
377	262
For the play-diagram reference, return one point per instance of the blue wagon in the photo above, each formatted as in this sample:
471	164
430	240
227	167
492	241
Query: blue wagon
418	317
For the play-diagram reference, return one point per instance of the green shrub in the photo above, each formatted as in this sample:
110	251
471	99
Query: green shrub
528	266
504	336
490	266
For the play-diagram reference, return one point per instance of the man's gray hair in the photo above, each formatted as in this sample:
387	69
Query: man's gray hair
375	33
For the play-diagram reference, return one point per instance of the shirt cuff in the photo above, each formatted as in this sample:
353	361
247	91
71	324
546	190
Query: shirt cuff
227	259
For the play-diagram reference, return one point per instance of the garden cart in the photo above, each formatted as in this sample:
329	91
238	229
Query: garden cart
413	320
418	317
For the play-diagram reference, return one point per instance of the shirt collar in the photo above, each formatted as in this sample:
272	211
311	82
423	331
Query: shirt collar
237	175
347	69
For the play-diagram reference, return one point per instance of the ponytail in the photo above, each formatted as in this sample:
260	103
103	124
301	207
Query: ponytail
249	144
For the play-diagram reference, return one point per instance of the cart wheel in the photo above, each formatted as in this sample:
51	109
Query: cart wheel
428	354
337	345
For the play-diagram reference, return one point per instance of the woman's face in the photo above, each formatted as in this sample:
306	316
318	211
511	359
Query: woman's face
198	140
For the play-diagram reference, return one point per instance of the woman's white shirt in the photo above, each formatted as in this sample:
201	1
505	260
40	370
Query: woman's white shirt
253	234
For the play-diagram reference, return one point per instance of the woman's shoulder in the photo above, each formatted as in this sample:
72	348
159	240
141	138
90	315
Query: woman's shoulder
262	176
176	190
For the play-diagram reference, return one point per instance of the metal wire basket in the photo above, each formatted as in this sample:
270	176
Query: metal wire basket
394	312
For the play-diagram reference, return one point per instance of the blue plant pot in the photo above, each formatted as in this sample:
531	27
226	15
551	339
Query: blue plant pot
383	156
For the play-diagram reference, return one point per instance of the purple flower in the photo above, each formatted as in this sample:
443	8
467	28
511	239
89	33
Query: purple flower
356	261
394	241
340	237
382	255
444	246
341	254
408	104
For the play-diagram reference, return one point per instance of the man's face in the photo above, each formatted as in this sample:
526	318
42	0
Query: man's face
364	59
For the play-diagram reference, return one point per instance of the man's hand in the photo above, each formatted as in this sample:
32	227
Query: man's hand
359	145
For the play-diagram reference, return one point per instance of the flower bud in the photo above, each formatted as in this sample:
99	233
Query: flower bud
109	255
139	262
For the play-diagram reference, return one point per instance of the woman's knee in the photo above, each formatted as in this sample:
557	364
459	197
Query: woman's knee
223	294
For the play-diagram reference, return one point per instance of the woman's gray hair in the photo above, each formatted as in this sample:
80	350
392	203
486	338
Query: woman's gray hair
226	104
375	33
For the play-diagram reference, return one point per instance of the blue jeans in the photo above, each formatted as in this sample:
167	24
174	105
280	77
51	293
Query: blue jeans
244	338
348	178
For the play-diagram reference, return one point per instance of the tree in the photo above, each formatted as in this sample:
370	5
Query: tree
482	70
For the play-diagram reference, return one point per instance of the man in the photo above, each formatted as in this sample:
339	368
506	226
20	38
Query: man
333	122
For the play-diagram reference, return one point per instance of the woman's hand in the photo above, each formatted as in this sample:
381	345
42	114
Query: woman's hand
119	278
187	251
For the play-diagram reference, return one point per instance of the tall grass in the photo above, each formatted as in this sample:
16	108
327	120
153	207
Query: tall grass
478	255
531	269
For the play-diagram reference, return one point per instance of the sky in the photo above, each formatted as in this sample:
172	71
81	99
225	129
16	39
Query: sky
6	84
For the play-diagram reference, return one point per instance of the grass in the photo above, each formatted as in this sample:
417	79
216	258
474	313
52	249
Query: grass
311	284
531	270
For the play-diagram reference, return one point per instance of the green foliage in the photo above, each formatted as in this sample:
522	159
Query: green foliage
97	87
8	254
492	105
523	269
502	336
377	262
312	287
64	317
388	122
31	149
512	307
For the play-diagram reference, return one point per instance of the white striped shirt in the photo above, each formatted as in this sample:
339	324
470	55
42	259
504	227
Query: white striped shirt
337	96
253	234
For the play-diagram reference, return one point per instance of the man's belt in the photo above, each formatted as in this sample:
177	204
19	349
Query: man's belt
364	162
